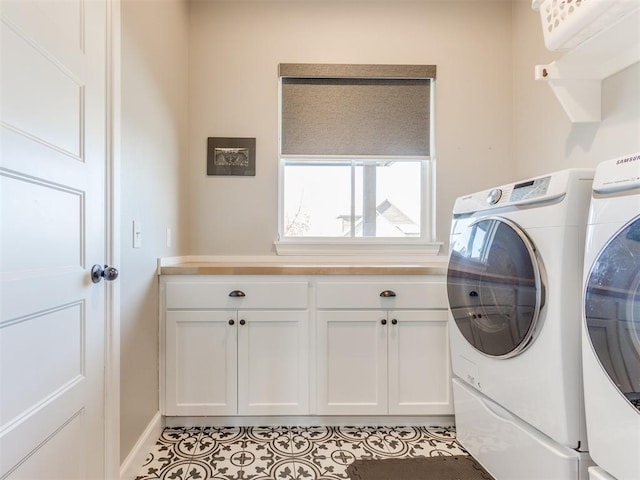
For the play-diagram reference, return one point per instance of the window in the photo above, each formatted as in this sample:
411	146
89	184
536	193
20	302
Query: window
356	154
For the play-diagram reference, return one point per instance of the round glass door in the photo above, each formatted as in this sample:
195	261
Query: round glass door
494	286
612	310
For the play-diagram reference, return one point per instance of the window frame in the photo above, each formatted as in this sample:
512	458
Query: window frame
425	244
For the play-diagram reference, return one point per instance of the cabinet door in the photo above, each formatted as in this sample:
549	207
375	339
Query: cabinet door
419	364
201	363
273	363
352	362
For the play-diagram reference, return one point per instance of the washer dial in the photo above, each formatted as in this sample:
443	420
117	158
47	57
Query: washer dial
494	196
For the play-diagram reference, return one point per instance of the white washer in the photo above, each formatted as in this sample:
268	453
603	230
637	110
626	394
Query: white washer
611	330
514	287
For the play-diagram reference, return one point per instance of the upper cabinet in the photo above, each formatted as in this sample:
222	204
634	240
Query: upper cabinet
598	38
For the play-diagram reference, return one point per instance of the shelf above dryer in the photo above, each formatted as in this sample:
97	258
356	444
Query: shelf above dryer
576	77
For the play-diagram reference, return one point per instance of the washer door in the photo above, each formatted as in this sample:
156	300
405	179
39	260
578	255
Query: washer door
495	287
612	310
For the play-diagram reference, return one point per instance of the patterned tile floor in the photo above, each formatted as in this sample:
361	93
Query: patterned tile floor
286	453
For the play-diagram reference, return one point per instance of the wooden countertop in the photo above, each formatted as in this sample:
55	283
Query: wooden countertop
273	268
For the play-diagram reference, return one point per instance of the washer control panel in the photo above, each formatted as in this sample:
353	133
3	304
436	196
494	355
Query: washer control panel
530	189
547	188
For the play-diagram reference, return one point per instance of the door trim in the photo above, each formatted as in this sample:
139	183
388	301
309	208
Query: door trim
112	243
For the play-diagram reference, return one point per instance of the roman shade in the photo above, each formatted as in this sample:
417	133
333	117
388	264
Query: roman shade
355	110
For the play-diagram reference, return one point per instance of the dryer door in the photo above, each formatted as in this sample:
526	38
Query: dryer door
495	287
612	310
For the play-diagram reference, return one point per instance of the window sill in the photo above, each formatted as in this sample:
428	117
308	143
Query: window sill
374	249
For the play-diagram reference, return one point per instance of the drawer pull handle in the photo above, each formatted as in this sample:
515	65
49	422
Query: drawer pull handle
237	293
388	293
242	322
383	321
232	322
473	293
394	322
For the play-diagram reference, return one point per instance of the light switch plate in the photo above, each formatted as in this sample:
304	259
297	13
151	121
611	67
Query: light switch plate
137	234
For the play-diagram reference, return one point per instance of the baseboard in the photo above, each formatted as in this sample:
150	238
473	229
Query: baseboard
134	461
312	420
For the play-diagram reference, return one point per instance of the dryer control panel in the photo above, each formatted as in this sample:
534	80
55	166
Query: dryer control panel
618	175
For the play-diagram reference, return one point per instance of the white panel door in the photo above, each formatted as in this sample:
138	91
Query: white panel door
419	365
201	363
273	362
352	362
52	222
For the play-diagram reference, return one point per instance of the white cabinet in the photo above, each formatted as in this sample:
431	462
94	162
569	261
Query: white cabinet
352	363
236	348
383	348
304	345
273	363
200	363
419	363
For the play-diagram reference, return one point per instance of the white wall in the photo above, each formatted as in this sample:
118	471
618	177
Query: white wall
234	52
494	122
544	139
154	148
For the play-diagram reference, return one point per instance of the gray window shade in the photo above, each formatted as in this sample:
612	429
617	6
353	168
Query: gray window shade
356	109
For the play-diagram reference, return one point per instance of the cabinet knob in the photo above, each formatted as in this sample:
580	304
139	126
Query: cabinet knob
237	293
394	322
232	322
383	321
242	322
388	293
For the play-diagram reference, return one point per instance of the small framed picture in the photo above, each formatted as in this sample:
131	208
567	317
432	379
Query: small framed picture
231	156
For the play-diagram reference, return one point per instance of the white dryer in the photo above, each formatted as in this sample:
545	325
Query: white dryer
514	288
611	330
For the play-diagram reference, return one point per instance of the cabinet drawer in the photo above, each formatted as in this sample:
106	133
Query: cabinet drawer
197	295
337	295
